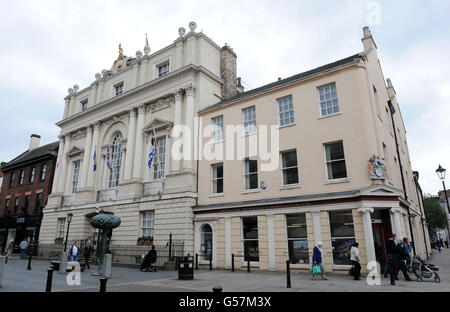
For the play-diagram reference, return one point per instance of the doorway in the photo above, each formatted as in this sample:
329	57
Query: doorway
382	229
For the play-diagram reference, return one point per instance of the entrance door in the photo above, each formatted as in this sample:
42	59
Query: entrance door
378	240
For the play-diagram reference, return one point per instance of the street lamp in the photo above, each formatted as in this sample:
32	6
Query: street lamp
69	219
441	174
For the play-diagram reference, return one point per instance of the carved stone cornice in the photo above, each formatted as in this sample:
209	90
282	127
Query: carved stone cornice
178	95
190	91
161	104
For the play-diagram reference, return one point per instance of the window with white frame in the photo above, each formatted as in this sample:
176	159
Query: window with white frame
289	167
84	105
251	173
285	111
217	178
297	238
16	205
159	164
335	160
328	100
119	89
148	223
342	236
21	176
61	227
249	120
76	173
217	131
32	174
206	242
12	177
43	172
116	160
163	69
250	238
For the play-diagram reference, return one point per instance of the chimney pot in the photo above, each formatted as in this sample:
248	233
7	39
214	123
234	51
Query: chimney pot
35	140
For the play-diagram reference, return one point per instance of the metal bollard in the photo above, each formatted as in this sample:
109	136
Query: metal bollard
196	261
248	264
217	289
210	262
103	282
288	274
48	287
232	262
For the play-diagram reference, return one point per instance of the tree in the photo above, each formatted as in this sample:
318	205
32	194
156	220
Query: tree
435	215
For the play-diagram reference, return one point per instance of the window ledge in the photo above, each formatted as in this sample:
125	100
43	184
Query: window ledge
250	191
244	135
253	264
300	266
341	266
216	195
327	116
287	126
216	142
345	180
290	186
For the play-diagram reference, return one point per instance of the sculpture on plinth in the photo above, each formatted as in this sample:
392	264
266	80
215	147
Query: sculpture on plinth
103	222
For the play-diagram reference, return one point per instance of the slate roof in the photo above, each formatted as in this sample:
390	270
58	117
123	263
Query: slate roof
349	60
31	156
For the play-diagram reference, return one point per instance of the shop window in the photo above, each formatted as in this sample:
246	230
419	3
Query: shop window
250	238
297	238
342	236
206	242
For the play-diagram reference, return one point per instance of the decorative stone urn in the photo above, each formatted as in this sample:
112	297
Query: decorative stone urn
104	222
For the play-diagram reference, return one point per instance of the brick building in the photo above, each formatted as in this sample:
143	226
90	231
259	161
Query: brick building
27	181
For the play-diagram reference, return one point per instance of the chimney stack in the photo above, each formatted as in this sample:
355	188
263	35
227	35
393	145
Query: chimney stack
228	72
35	140
368	41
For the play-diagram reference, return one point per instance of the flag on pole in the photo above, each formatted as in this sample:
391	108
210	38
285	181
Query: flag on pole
152	154
95	159
58	164
108	158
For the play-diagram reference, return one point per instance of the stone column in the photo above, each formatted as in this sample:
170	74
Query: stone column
130	146
87	154
177	121
316	224
143	73
271	243
93	95
396	215
368	233
94	145
189	122
63	165
57	177
138	153
227	243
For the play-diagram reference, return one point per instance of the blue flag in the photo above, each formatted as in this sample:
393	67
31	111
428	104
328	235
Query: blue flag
108	158
95	160
150	156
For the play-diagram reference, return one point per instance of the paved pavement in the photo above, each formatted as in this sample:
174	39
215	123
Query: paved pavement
17	278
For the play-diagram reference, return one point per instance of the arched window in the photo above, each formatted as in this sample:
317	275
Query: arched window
206	241
116	160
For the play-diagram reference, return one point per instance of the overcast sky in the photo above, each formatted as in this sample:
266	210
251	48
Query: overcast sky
48	46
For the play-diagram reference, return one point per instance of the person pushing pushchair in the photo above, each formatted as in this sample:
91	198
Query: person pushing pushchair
148	260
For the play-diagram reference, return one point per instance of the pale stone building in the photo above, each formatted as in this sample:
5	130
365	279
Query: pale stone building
340	177
117	118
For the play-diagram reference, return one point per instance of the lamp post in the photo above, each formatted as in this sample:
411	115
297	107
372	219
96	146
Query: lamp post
69	219
441	174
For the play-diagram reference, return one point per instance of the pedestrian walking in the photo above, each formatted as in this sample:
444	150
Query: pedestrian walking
438	244
23	249
401	257
407	246
9	250
317	259
390	251
355	259
87	252
442	243
74	251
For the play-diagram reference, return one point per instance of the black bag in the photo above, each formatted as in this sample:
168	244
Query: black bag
352	271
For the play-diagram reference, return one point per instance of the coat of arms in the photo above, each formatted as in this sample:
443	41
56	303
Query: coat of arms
376	167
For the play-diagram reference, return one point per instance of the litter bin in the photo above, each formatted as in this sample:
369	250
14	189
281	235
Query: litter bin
186	268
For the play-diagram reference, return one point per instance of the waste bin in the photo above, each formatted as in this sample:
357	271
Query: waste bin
186	268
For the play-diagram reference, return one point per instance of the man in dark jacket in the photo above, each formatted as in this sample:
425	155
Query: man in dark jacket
401	256
87	252
390	253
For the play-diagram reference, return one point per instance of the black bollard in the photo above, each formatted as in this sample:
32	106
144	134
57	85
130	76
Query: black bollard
103	282
210	262
248	264
288	274
170	247
29	260
232	262
217	289
48	287
196	261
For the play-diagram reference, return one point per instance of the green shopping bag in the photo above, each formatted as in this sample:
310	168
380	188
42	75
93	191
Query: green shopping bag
316	269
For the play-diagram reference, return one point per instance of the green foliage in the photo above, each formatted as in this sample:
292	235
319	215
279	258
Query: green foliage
435	215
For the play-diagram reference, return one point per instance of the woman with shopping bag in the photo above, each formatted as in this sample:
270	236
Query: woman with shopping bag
318	267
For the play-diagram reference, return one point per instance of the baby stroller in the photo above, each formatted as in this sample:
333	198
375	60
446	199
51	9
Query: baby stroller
422	270
147	262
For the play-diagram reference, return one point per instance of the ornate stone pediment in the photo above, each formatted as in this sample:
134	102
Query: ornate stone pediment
382	190
157	124
161	104
74	151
